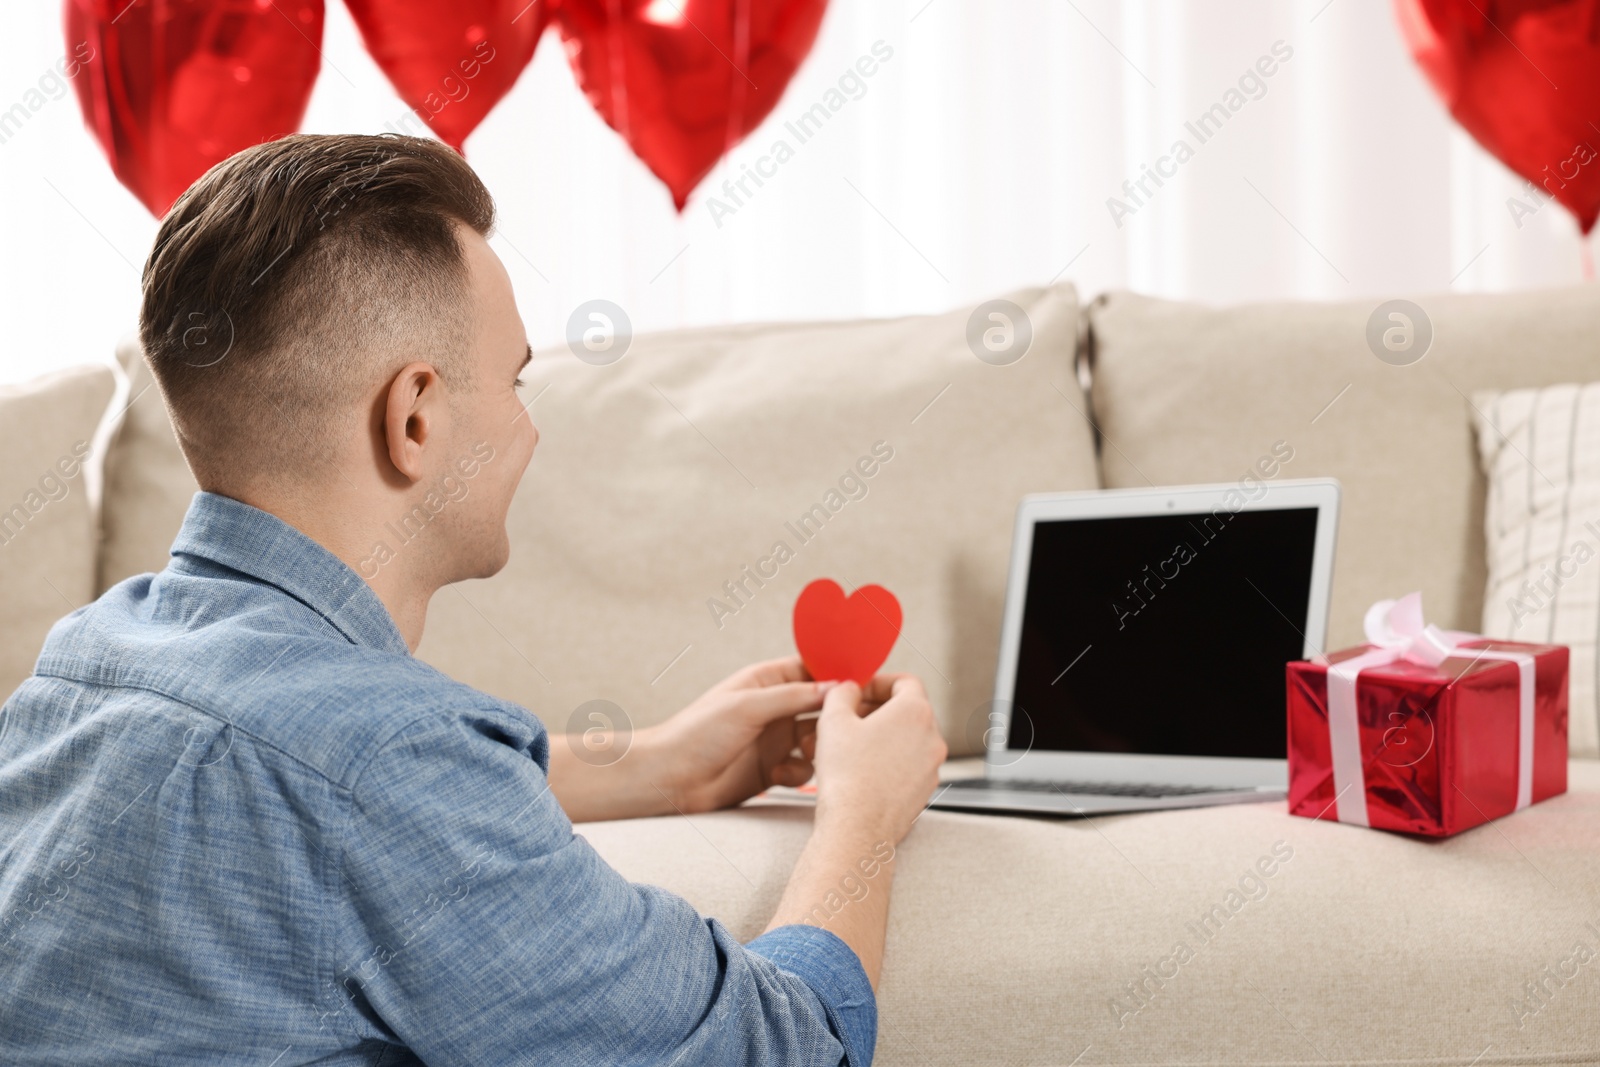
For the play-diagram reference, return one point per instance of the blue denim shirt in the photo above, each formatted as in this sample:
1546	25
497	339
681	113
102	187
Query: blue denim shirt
240	824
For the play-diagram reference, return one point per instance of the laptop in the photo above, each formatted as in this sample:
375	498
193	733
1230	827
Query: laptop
1143	645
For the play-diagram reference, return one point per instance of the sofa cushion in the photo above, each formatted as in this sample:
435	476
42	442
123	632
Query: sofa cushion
1185	393
147	483
47	520
1234	934
646	534
1541	453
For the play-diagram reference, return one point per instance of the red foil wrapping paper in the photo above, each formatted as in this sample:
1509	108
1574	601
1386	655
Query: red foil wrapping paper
1439	745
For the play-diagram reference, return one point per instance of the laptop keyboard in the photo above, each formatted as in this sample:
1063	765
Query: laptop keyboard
1114	789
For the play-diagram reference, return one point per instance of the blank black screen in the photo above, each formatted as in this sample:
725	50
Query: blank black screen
1163	635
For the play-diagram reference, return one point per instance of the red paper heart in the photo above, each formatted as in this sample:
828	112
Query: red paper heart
1523	77
451	62
844	638
684	81
169	89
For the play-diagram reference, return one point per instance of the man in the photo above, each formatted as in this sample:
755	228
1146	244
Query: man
239	823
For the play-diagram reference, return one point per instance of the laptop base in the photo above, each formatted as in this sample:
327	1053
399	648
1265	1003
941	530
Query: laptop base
993	798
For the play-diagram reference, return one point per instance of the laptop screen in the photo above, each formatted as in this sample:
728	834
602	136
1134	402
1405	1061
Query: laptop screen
1163	634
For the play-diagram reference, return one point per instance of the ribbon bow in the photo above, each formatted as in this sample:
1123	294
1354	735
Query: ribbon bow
1398	632
1397	626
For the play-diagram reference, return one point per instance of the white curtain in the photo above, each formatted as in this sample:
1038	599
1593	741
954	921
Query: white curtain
983	154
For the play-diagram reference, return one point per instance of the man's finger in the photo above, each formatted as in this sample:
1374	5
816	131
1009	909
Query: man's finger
842	699
803	734
792	772
884	686
767	672
773	702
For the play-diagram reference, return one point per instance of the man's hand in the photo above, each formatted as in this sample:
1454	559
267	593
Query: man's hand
877	759
738	738
746	733
876	755
878	752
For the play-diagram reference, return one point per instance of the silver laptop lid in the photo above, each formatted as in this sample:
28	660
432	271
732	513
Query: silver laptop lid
1146	631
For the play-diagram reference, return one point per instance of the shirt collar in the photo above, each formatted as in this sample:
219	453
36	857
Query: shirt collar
263	546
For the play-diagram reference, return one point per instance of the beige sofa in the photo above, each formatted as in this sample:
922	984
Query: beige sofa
645	569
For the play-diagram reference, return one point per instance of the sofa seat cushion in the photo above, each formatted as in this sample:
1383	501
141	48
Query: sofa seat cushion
49	447
1030	940
1186	393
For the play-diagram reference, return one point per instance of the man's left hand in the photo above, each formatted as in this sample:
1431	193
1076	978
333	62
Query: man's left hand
741	736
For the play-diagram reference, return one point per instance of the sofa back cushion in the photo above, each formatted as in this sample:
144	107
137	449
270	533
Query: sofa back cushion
646	561
1185	393
681	497
47	521
148	486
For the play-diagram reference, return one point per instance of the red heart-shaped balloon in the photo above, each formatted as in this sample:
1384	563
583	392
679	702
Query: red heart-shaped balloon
683	81
1523	77
171	88
451	62
845	638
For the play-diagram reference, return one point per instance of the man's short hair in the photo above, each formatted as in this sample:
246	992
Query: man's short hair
295	276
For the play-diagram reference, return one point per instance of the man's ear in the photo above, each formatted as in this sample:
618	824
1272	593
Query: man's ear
412	414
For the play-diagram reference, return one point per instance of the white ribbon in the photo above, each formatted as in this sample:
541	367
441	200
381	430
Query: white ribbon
1397	629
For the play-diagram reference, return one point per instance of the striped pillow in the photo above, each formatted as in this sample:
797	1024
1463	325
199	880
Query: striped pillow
1541	453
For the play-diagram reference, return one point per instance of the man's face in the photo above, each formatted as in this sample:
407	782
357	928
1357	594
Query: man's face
491	436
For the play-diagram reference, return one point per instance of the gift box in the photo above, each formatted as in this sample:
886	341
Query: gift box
1426	731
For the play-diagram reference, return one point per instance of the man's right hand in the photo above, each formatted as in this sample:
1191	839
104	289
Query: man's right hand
877	758
877	763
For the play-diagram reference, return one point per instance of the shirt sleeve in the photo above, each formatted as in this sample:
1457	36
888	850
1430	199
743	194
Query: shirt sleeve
822	960
476	927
